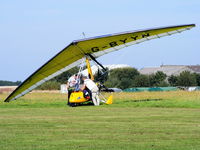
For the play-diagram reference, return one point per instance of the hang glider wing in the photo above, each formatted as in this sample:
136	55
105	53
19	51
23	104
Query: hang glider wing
71	55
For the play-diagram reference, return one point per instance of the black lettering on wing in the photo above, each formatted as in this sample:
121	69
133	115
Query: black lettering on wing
134	37
113	44
145	35
95	49
123	41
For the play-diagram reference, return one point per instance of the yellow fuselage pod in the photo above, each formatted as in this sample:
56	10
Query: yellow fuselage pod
77	97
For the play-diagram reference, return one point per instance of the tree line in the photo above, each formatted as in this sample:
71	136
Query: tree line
123	78
129	77
9	83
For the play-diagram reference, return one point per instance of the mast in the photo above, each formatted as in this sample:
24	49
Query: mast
91	76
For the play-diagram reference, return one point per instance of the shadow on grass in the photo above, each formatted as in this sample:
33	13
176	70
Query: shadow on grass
143	100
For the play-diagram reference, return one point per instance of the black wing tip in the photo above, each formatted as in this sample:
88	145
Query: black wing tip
6	100
193	24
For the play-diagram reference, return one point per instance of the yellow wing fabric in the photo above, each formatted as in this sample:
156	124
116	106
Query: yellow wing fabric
108	43
71	56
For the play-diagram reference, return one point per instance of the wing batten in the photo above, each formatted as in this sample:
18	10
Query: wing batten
71	55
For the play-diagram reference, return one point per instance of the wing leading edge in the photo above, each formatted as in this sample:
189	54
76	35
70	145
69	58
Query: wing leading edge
72	55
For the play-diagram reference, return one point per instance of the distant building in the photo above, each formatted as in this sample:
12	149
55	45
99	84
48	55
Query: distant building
171	69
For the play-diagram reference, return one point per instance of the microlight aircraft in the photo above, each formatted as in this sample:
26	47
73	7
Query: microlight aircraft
72	55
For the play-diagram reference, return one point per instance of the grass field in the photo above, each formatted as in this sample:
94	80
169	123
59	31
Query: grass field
141	121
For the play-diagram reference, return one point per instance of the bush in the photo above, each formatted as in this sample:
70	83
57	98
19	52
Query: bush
122	77
197	76
173	80
141	81
187	79
157	78
49	85
162	84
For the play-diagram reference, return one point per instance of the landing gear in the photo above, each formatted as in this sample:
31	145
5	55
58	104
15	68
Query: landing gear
72	104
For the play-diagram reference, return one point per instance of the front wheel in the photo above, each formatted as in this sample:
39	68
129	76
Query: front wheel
72	104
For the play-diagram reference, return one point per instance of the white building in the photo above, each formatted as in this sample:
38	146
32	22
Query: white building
110	67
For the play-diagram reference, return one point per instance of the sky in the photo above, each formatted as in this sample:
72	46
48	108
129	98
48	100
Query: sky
32	32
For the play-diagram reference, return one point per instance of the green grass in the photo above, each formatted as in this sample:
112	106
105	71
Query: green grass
141	121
